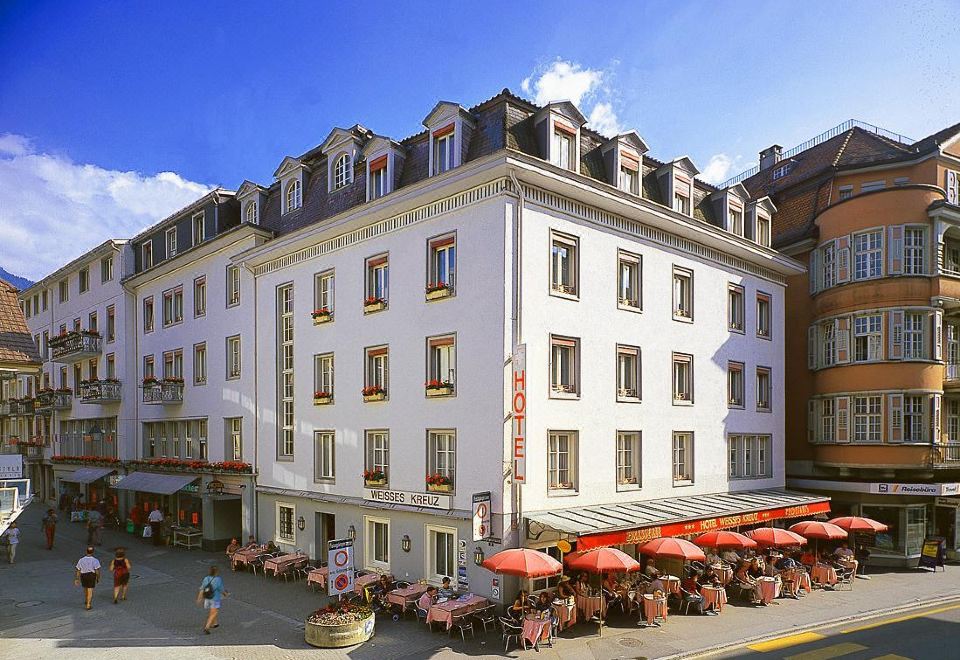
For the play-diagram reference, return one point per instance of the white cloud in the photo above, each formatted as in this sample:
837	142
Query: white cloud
721	167
52	210
562	80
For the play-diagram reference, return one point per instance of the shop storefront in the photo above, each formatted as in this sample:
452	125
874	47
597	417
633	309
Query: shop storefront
94	483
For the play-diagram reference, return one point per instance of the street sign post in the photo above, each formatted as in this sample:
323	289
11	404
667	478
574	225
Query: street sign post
340	566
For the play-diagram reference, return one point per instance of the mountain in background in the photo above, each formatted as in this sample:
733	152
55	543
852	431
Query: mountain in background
17	281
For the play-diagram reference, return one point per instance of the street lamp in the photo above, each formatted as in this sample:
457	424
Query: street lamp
352	533
405	543
301	523
478	556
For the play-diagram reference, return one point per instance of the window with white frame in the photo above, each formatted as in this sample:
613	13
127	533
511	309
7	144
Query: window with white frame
828	343
828	269
682	294
913	418
681	203
763	315
323	292
341	171
293	197
200	363
442	265
564	266
953	420
285	518
323	375
200	297
106	270
172	306
233	286
913	251
763	230
378	178
148	368
781	171
441	361
563	147
868	258
763	389
378	279
173	364
564	365
234	427
628	458
750	456
376	543
442	456
682	378
913	323
682	457
84	279
146	256
233	357
148	314
377	359
199	230
735	384
562	460
377	456
735	221
628	373
846	192
441	553
867	418
867	337
827	420
285	362
735	308
111	323
629	180
628	286
250	214
443	149
171	242
324	448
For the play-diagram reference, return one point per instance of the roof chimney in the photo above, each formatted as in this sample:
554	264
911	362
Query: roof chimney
770	156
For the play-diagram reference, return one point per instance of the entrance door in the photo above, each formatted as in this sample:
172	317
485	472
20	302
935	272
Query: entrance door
325	530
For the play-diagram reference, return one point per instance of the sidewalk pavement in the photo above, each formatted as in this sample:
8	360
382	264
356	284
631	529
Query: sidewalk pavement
41	612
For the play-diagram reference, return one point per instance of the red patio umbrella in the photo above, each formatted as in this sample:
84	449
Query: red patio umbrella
858	524
776	537
814	529
724	539
523	562
671	547
602	560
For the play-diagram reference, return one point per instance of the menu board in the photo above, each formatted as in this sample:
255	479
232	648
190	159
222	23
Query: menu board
933	553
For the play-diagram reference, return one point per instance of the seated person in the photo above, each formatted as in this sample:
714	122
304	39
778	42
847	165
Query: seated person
427	599
446	591
710	577
383	585
843	551
656	584
232	547
649	567
730	557
748	582
582	586
519	607
769	568
565	589
251	543
691	589
713	557
544	602
610	582
272	547
753	568
808	558
786	563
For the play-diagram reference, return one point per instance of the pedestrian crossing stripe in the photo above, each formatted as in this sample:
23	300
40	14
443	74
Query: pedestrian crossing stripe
828	652
784	642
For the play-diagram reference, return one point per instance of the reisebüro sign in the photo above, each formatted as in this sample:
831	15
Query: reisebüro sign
427	500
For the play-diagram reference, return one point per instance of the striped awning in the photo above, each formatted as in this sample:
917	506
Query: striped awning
638	522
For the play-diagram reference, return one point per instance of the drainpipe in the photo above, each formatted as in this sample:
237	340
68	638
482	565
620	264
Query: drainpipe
517	324
256	407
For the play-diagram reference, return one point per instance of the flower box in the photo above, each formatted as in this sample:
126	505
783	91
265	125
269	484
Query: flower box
440	488
375	396
324	400
375	483
371	306
438	292
444	390
321	316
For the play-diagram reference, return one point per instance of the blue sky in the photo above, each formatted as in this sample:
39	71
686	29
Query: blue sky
113	94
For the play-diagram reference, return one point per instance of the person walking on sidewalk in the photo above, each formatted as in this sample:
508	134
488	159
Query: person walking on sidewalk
13	540
87	575
120	567
210	594
156	522
49	523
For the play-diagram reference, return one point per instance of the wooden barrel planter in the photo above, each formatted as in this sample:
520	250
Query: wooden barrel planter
331	636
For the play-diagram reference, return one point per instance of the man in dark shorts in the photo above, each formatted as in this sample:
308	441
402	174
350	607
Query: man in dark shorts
87	575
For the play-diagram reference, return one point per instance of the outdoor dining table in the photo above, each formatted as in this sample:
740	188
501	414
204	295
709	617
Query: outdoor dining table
769	589
715	597
803	581
671	583
654	608
823	574
401	597
446	612
535	630
283	563
364	581
589	605
725	573
566	613
244	557
318	576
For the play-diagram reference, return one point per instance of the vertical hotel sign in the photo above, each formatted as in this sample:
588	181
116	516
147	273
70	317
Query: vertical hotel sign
519	413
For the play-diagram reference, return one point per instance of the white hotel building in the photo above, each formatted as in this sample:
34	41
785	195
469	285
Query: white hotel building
653	336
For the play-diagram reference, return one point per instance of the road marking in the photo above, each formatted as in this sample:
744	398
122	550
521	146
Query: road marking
898	619
827	652
784	642
891	656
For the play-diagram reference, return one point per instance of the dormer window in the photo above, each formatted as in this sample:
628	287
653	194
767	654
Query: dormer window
341	171
146	253
735	220
763	230
378	178
781	171
293	198
681	202
562	153
171	242
250	214
629	180
443	149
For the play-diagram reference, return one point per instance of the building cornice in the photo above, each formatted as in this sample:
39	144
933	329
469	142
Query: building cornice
102	250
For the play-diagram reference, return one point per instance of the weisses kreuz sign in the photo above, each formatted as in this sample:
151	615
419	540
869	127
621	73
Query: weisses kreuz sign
519	413
426	500
340	566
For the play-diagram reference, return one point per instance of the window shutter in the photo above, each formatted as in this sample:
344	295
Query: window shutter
935	419
895	254
895	401
843	259
814	272
812	347
812	420
843	339
843	419
896	335
936	331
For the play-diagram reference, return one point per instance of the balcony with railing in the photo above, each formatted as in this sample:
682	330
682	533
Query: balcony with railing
946	455
75	346
163	392
100	391
21	406
50	400
4	408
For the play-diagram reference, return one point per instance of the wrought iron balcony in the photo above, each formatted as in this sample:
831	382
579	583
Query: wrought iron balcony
100	391
163	392
4	408
947	454
21	406
75	346
50	400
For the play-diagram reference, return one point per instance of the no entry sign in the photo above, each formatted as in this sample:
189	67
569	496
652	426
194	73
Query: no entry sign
340	566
